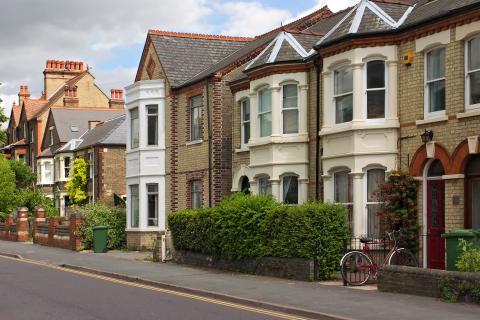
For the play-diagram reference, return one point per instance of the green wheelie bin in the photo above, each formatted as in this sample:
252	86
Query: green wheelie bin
100	239
452	239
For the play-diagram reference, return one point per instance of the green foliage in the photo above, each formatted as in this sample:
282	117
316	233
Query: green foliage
245	226
3	119
77	185
100	215
7	187
400	194
24	176
453	290
34	198
469	259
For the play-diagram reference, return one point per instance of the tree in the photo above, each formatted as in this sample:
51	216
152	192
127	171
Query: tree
24	175
7	186
77	185
3	119
33	198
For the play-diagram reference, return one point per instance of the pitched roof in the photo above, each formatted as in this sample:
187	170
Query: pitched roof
61	90
33	106
71	123
195	51
15	114
286	47
260	42
110	132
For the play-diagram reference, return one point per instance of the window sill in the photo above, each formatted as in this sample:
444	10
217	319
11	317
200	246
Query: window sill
244	149
431	120
191	143
469	113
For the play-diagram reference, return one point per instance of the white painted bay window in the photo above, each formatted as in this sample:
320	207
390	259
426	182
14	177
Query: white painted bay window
48	172
376	89
290	189
290	109
196	118
473	73
134	129
66	167
134	206
152	196
152	125
265	112
435	83
245	110
343	95
375	177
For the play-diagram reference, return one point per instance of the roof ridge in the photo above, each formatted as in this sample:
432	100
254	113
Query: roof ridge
198	36
85	108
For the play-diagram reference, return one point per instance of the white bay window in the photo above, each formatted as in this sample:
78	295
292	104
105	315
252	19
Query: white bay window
290	109
376	89
375	177
343	95
265	112
473	73
245	114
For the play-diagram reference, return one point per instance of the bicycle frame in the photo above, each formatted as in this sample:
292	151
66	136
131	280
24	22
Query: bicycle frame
374	266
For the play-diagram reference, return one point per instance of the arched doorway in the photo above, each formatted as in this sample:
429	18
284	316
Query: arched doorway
245	185
472	191
435	215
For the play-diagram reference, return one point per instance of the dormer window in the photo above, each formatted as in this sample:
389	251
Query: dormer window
473	73
265	112
343	96
435	82
290	109
376	89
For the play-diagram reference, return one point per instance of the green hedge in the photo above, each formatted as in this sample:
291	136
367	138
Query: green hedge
245	226
100	215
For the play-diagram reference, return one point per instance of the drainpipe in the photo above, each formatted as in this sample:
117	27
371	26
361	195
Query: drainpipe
93	175
209	125
318	69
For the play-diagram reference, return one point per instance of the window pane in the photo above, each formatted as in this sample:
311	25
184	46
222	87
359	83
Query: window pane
342	186
344	109
265	125
474	54
134	128
246	110
290	121
376	104
195	118
264	186
265	97
375	74
375	178
246	132
196	194
290	93
290	190
343	81
436	93
152	125
436	64
134	206
475	87
475	209
152	197
374	223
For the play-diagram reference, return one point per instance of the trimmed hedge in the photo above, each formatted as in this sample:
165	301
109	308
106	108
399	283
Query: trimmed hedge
245	226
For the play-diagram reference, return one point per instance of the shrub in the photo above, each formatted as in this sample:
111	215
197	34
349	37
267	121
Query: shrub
245	226
469	259
77	184
35	198
100	215
24	176
7	186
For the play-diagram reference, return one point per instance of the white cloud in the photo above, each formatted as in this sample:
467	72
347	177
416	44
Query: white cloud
333	5
250	18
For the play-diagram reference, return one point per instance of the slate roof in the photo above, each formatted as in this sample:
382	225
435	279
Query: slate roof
66	118
110	132
196	52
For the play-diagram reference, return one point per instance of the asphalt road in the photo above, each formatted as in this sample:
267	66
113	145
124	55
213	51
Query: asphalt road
33	291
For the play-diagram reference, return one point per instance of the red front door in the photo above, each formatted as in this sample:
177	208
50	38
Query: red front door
436	224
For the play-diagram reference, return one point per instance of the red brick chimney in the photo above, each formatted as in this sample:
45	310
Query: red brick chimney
57	72
116	98
70	99
23	93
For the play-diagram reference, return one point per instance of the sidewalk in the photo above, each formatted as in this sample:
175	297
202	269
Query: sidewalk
341	302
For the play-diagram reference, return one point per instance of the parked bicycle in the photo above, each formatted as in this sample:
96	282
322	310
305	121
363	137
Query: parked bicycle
357	267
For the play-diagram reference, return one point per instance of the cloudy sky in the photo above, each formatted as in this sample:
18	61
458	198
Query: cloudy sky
109	34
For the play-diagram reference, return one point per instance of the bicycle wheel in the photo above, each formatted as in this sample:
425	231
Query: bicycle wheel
356	268
402	257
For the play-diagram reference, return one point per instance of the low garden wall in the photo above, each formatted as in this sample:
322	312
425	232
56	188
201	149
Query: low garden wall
56	231
15	229
448	285
290	268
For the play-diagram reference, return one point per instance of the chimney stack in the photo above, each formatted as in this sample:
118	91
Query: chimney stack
116	99
23	94
70	99
57	72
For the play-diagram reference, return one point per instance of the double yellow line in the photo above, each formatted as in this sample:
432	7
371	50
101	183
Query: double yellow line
275	314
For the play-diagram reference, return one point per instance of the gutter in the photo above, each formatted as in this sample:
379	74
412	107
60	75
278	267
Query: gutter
209	125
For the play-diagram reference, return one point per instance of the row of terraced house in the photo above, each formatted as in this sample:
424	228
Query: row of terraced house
323	108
